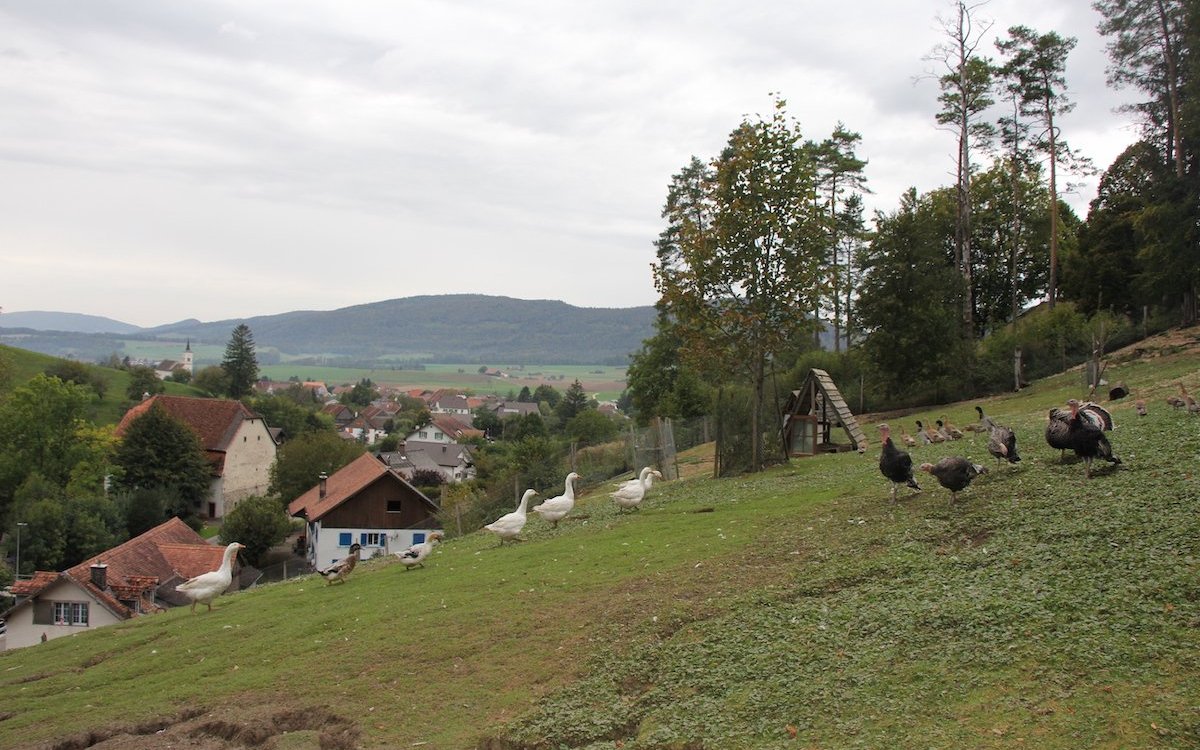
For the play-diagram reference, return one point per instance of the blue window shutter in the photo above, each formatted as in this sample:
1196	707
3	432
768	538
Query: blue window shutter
362	539
344	539
418	537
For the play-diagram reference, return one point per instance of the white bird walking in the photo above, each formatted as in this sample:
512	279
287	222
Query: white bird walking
416	554
509	525
631	494
556	508
208	586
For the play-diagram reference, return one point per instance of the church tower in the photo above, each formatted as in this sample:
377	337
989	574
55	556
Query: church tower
187	358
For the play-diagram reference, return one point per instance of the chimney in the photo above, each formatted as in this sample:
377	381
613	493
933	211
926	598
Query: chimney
100	575
323	477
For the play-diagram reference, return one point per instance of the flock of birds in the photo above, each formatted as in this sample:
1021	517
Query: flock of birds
1079	428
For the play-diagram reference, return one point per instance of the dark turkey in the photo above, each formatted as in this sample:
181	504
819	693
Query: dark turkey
1086	439
954	474
1058	427
894	463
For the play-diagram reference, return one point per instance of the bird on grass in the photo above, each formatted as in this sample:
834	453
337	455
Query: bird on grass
415	555
509	525
630	494
907	439
954	474
1058	428
208	586
894	463
949	430
1087	440
1002	441
556	508
930	435
342	568
1140	407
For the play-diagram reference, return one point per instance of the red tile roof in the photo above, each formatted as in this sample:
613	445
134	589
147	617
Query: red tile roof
455	427
33	586
215	421
344	484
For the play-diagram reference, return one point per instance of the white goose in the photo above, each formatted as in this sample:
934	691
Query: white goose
631	494
509	525
648	473
416	554
208	586
556	508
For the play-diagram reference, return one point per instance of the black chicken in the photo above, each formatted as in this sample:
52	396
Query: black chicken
1002	441
954	474
1058	431
894	463
1086	439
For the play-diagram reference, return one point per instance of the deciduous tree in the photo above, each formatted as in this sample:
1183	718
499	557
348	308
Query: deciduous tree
158	450
259	523
734	285
300	462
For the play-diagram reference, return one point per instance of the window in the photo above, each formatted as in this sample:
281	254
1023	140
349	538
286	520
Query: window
372	539
418	537
438	436
393	506
424	435
344	539
71	613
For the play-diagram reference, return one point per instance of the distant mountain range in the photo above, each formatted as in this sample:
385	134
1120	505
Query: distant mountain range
466	328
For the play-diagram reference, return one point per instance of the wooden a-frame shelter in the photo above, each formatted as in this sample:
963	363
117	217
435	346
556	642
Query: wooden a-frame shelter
812	412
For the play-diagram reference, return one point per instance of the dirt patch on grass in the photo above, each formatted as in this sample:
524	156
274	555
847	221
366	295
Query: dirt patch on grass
253	722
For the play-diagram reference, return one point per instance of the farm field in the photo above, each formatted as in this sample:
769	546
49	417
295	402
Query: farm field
795	608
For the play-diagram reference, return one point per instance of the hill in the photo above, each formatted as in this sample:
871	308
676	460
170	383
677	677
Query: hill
462	328
69	322
794	608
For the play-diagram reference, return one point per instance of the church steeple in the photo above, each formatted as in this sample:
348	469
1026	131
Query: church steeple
187	357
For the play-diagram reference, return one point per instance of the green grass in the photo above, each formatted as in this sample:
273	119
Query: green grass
24	364
1041	611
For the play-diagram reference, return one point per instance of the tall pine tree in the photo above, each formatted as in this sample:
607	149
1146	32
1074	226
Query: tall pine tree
240	363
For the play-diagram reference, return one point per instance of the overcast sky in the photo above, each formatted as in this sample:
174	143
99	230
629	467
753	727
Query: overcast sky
214	160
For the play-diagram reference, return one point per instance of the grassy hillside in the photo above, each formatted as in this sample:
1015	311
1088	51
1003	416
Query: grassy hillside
24	364
795	608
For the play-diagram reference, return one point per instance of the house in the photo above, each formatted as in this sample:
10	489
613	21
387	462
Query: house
506	409
132	579
451	460
342	415
237	442
444	429
453	404
365	502
360	430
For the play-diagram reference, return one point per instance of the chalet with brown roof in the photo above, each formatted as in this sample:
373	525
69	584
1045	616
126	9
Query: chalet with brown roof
453	461
132	579
365	502
237	442
342	415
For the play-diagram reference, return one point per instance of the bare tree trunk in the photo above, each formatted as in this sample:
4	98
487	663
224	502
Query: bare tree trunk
1052	291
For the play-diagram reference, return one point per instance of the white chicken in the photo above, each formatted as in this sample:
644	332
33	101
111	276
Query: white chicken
415	555
556	508
342	568
631	494
208	586
509	525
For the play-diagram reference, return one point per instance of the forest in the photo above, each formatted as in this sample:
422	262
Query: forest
967	289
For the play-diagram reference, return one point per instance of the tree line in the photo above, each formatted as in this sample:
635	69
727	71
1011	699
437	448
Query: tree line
766	244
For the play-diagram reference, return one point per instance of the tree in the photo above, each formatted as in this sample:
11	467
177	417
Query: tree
44	541
1147	49
300	462
590	427
840	182
362	394
748	256
522	426
40	424
546	394
143	380
144	508
574	402
966	88
213	380
284	413
159	451
489	421
259	523
525	396
73	371
1037	66
661	383
94	524
240	363
909	287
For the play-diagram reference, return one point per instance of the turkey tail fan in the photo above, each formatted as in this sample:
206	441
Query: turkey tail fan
1097	415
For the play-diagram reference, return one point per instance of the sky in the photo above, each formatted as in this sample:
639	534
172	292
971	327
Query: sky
221	160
